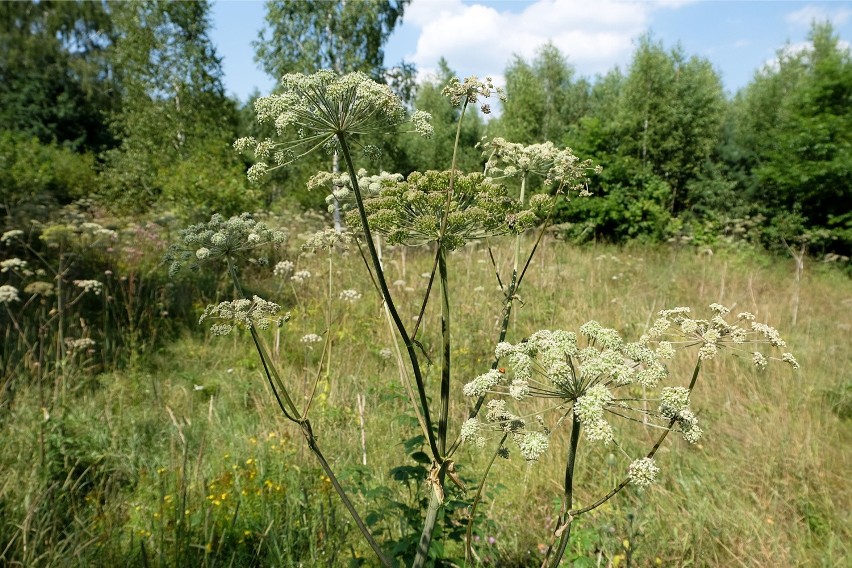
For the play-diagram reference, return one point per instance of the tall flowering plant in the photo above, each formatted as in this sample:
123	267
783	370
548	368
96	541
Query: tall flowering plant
588	380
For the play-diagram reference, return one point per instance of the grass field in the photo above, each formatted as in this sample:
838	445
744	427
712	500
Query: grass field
184	460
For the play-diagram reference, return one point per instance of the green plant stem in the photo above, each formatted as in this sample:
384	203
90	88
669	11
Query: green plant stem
468	549
329	338
386	295
445	358
307	430
314	447
567	518
441	261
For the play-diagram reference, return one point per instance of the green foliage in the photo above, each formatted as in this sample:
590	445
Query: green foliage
793	134
175	123
36	176
56	82
654	130
345	37
671	115
544	98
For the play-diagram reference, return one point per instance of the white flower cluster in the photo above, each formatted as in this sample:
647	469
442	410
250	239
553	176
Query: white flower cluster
9	235
327	239
560	168
81	344
8	294
283	268
471	90
642	472
589	409
257	313
350	296
300	276
319	107
674	405
15	265
716	332
93	286
310	339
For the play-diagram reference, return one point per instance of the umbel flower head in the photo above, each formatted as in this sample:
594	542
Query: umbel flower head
221	238
561	169
319	107
606	378
410	212
471	90
255	313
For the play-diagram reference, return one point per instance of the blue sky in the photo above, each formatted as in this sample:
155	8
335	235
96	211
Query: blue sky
478	37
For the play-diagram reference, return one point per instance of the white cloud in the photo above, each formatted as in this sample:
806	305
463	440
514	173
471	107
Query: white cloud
481	38
811	13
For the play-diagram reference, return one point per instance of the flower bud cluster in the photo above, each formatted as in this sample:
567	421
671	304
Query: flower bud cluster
255	313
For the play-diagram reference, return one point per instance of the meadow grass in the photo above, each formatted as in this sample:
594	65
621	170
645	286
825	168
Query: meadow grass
185	460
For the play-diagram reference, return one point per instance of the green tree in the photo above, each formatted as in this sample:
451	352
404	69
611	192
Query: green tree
55	81
671	119
795	138
655	130
303	37
175	123
544	98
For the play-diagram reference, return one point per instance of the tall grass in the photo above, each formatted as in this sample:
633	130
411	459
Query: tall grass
186	461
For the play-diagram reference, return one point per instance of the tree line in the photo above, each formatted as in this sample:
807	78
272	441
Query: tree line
123	104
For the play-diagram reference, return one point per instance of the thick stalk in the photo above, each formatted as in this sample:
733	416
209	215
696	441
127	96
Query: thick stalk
428	526
445	358
329	339
441	261
383	286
